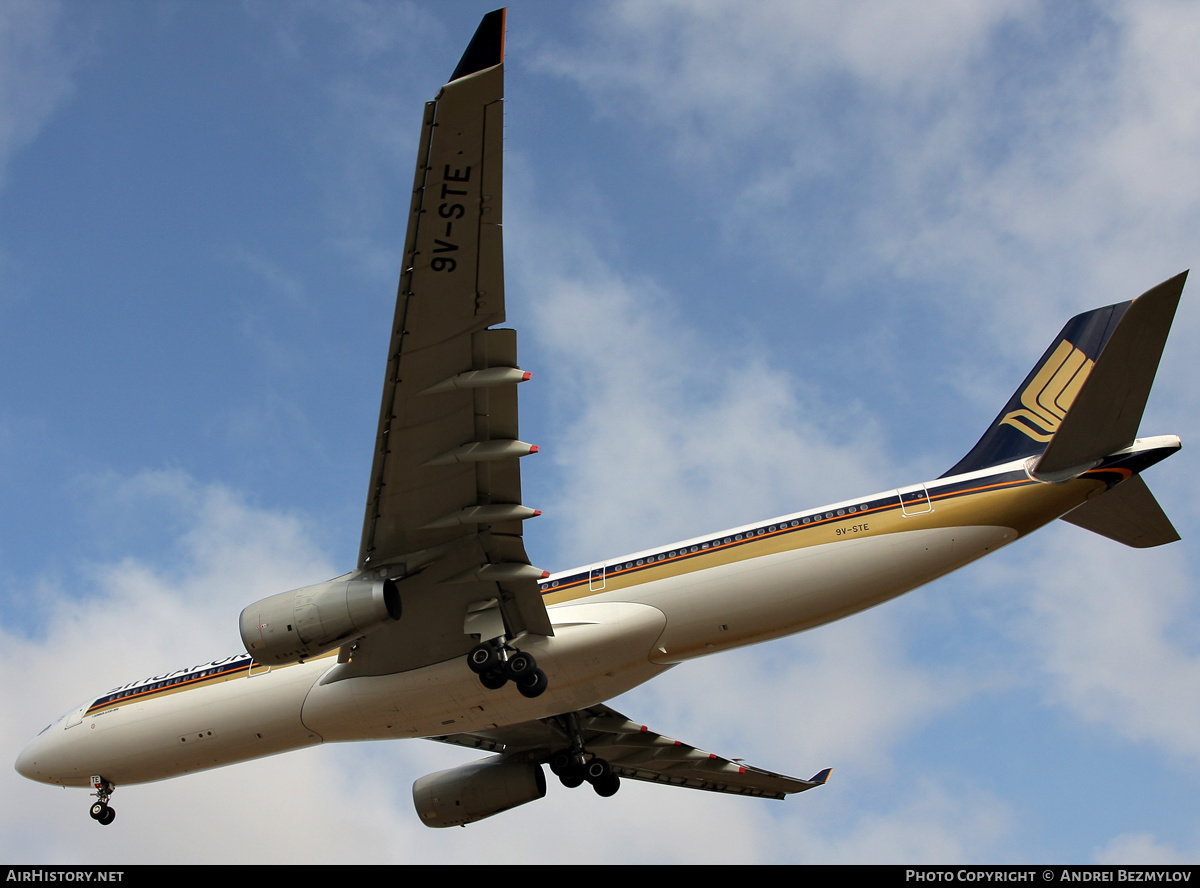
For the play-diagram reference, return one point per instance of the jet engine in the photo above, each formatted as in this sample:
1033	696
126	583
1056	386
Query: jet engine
291	626
472	792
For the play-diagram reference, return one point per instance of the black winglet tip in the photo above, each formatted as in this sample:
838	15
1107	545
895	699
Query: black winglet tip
820	777
486	49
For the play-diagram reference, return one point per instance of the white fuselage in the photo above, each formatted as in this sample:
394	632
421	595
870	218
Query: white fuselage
616	625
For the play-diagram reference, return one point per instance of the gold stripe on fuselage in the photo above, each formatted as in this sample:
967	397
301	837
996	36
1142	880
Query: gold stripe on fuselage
241	670
1021	504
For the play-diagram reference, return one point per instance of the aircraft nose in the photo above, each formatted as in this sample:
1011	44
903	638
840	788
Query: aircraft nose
35	760
27	762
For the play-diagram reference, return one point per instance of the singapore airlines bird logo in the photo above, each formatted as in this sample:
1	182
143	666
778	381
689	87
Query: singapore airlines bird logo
1050	393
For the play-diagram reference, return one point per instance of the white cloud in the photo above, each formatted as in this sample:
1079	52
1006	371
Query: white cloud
669	433
1044	159
1142	848
720	72
36	65
1117	637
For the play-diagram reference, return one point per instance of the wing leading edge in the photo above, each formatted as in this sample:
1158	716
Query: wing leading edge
444	513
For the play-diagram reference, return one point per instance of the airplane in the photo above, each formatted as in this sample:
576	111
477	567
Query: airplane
445	631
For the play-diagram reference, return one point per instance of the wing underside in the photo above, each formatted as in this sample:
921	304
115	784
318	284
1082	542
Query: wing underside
634	752
444	512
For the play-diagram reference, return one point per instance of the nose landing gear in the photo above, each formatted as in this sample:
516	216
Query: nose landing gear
100	811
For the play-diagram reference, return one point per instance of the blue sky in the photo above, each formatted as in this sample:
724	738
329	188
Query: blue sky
760	256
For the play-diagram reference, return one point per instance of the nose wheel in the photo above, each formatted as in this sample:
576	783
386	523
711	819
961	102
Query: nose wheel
100	810
496	664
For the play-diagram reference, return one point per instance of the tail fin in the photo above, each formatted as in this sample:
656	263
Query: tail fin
1084	399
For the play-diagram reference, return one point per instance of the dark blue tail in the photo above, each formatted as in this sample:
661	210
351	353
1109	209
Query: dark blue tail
1033	414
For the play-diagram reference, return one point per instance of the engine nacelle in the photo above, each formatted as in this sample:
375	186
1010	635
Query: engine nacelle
291	626
472	792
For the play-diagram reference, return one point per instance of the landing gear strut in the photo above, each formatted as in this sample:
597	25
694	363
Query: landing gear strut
496	664
576	765
100	811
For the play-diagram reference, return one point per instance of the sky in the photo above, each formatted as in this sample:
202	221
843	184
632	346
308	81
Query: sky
760	256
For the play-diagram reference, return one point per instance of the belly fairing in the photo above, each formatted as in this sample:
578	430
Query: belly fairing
598	650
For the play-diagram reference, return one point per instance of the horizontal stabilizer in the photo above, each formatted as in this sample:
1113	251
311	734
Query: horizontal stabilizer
1128	513
1107	410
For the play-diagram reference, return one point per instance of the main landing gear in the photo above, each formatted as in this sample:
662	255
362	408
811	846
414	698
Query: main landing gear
576	765
573	769
100	811
496	664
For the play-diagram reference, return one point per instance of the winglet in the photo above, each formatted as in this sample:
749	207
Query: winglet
820	777
486	49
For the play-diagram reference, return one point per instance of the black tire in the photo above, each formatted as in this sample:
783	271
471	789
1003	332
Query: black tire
533	685
98	810
562	763
483	658
597	771
608	787
571	781
109	816
519	665
493	680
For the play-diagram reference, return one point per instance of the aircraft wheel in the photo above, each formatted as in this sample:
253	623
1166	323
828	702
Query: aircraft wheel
483	658
493	680
571	781
109	816
519	665
597	771
608	786
532	685
562	763
98	811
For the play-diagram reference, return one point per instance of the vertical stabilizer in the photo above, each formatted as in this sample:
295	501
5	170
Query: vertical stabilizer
1084	399
1107	410
1035	411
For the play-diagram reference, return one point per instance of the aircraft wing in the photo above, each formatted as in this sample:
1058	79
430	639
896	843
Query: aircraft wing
444	513
634	752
